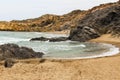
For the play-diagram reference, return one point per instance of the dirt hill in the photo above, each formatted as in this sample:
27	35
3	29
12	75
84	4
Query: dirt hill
46	22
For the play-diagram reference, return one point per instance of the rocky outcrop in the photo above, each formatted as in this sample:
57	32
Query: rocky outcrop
51	22
39	39
54	39
14	51
95	23
103	20
83	33
58	39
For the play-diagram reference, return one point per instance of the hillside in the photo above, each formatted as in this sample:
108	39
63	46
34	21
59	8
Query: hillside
68	21
97	21
46	22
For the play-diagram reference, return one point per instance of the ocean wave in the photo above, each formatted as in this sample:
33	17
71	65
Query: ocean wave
4	40
113	50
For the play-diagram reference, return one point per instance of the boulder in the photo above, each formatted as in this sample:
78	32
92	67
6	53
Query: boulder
83	33
58	39
40	39
14	51
8	63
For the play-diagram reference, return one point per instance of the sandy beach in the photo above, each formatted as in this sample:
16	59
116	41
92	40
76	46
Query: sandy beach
66	32
106	68
30	35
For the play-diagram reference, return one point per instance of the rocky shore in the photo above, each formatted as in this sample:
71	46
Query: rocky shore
97	21
81	34
100	24
106	68
15	52
54	39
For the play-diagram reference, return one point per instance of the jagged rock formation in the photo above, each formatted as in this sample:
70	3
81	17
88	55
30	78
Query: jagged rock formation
14	51
83	33
103	19
50	22
100	21
39	39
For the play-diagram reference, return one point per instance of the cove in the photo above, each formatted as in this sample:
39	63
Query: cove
59	50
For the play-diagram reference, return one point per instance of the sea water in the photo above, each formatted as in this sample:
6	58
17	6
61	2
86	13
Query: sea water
58	50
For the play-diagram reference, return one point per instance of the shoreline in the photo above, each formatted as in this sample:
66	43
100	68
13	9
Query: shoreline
113	50
105	68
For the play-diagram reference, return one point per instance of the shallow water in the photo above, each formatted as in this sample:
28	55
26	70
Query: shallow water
64	49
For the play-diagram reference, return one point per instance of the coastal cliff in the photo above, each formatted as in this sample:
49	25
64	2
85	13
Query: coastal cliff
50	22
84	25
98	21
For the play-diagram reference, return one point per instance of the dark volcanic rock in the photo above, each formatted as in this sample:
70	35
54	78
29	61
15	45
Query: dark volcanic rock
40	39
83	33
14	51
58	39
116	31
55	39
101	21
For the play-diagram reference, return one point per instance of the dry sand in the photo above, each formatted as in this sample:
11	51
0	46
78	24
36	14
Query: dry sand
106	68
66	32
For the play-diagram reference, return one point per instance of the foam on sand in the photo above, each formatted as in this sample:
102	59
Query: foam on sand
113	50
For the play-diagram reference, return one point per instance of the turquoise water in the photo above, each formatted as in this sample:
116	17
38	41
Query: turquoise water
64	49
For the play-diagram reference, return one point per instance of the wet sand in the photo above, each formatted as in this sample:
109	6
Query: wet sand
106	68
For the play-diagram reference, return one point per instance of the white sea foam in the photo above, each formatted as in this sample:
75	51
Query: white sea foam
4	40
21	38
81	45
112	51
